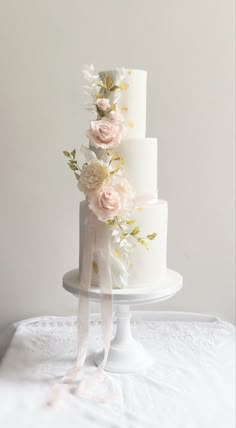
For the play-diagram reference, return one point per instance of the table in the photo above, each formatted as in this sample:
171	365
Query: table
190	384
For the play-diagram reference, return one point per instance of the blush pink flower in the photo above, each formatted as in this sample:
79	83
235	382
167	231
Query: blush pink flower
105	204
115	198
103	104
105	133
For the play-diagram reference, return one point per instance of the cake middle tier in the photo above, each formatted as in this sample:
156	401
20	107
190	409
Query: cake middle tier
140	156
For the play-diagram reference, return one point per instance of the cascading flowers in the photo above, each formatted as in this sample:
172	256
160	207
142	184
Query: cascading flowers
101	177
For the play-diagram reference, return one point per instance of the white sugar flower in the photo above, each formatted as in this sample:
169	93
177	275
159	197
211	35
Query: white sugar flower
93	175
91	88
89	73
121	74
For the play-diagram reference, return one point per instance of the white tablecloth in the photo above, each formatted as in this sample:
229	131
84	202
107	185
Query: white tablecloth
190	385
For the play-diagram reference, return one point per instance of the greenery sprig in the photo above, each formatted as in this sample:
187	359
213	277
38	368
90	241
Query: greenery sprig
72	162
134	232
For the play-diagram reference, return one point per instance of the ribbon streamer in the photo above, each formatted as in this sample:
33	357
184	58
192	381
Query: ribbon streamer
95	230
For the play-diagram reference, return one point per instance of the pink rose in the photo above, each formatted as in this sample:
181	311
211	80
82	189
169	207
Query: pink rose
105	133
105	203
103	104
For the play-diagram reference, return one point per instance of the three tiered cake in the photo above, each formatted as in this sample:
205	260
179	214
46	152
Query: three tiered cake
119	179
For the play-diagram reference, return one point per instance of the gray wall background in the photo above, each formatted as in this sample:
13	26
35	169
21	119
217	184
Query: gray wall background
187	46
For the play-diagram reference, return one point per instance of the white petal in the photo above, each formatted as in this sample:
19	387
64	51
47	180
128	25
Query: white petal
87	153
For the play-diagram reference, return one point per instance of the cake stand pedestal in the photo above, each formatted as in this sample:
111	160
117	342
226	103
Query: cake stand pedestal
127	355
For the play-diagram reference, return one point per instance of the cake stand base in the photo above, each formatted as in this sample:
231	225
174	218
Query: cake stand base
126	355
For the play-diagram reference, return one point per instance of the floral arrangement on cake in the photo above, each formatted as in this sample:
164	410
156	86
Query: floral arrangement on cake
101	176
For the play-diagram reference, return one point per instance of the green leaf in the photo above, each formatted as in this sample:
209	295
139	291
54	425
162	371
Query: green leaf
103	74
152	236
100	112
143	242
101	84
109	82
135	231
73	167
113	88
67	154
130	221
115	170
99	95
73	153
110	222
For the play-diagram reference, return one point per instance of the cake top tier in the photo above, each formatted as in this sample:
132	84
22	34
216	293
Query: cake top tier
132	101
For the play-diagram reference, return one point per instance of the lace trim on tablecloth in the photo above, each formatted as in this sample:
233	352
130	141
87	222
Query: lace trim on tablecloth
50	335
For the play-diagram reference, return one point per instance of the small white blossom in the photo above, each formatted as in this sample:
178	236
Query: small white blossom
91	88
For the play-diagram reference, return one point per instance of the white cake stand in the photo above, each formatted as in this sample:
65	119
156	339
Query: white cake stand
126	354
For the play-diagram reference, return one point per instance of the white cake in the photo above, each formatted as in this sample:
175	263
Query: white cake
143	267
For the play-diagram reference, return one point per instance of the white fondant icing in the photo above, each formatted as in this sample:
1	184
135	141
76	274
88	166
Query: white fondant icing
148	266
140	156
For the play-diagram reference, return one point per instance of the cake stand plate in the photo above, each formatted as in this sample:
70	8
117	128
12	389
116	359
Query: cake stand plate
126	355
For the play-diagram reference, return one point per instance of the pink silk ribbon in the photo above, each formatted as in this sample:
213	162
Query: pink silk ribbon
105	285
94	230
145	199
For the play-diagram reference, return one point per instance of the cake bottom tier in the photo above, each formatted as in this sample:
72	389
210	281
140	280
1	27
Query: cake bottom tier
141	267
